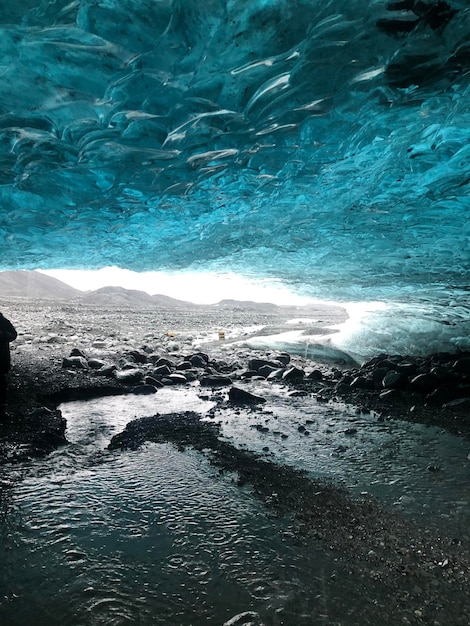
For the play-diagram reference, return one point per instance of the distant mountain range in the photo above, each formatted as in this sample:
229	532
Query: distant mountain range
24	284
31	285
38	286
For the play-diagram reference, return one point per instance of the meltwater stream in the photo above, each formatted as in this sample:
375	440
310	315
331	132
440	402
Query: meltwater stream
159	536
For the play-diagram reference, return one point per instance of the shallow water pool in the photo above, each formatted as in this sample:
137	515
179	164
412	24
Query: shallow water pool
158	536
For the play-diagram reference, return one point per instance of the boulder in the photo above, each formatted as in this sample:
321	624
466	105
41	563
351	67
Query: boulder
76	362
175	379
129	376
266	370
408	368
240	396
150	380
315	375
215	380
163	361
360	382
183	365
462	365
424	383
161	371
283	358
257	364
293	373
106	370
143	390
276	374
394	380
77	352
138	356
199	359
96	364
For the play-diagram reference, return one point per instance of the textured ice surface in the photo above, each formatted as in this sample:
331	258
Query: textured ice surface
325	142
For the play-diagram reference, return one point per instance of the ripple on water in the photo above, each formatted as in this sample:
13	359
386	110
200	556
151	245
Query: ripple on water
387	460
157	536
147	537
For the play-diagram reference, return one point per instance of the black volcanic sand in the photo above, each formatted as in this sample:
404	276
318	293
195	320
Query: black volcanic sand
422	577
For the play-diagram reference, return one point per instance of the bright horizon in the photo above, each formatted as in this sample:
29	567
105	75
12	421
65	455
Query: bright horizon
198	287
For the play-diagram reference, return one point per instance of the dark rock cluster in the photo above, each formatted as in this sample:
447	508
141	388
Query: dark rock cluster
144	371
432	390
440	380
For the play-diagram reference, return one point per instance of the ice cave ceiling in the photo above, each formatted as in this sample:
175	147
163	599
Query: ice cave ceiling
323	142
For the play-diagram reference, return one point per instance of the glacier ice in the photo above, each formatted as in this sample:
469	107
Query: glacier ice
325	142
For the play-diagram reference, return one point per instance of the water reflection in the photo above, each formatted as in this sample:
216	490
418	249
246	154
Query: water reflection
159	536
422	470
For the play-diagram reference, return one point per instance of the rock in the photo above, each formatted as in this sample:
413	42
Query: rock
106	370
138	356
315	375
387	364
240	396
161	371
297	393
262	429
283	358
129	376
361	383
184	365
77	362
394	380
407	368
389	394
441	395
379	374
143	390
200	359
163	361
266	370
444	374
424	383
257	364
129	365
276	375
342	388
251	374
150	380
461	403
175	379
96	364
49	428
293	373
77	352
215	380
462	365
